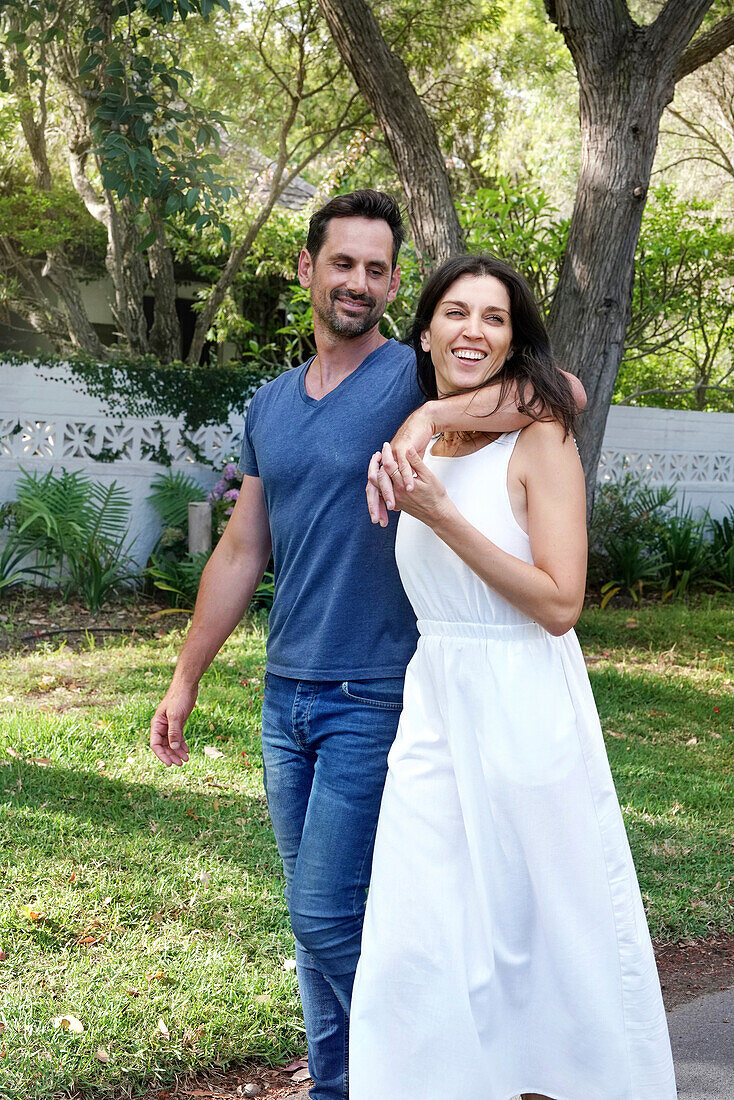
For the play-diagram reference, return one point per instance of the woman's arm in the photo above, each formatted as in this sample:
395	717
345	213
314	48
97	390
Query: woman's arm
551	591
465	412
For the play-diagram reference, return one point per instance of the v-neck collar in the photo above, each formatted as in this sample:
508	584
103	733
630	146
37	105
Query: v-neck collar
318	401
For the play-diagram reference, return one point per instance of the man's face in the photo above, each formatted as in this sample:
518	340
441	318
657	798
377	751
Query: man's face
351	280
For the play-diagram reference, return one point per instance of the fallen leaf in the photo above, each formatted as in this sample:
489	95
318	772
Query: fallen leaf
40	761
68	1023
261	999
301	1075
3	956
289	964
155	977
102	1055
162	1028
72	877
631	623
30	913
212	753
692	741
15	755
613	733
133	992
299	1063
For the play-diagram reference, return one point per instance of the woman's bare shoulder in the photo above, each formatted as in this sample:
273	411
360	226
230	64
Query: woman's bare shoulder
545	452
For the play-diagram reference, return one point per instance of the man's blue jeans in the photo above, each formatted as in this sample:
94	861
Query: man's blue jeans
325	747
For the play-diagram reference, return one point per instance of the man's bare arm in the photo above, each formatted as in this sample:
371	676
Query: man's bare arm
228	582
477	411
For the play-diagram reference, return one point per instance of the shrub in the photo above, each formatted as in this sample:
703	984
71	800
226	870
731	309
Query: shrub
75	529
721	548
639	538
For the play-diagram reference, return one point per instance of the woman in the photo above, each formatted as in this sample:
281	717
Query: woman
505	948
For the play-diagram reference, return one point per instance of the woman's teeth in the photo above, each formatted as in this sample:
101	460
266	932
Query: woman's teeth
472	355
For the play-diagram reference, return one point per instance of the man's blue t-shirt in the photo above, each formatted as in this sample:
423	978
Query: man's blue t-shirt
339	612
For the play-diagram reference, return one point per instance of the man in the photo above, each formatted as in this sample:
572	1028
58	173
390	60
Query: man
341	629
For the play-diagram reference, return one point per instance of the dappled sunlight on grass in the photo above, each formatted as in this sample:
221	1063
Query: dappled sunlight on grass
133	894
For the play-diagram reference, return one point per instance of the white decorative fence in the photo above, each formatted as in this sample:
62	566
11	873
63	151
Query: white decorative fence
53	422
694	451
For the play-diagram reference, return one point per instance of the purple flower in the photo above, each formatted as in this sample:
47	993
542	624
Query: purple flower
219	489
231	473
231	494
228	511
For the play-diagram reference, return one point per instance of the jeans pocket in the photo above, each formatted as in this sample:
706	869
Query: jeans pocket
385	693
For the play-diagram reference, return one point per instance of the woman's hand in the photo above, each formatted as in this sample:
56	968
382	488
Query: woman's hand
427	499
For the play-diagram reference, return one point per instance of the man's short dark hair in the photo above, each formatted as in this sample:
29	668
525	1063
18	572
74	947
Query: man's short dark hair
366	203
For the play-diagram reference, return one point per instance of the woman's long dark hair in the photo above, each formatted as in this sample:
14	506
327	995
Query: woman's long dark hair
543	391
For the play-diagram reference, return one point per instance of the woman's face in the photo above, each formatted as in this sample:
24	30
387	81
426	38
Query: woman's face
470	334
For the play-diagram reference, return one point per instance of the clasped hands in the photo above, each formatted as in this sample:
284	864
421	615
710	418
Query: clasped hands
399	480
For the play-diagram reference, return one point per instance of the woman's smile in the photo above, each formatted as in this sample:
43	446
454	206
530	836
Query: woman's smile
470	335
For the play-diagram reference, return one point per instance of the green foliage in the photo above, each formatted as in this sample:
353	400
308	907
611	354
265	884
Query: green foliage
39	220
76	528
517	222
178	577
13	569
626	511
678	344
147	388
151	143
722	548
685	551
171	495
640	539
631	566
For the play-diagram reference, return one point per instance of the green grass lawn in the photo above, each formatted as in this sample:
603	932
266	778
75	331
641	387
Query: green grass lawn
147	901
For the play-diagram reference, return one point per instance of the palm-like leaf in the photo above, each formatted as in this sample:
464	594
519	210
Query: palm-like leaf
171	495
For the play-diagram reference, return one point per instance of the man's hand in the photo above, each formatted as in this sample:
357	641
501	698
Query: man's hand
167	726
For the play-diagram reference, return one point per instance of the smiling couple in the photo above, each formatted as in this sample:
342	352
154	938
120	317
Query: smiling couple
504	948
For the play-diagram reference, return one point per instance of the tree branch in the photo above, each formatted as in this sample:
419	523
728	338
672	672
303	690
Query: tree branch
671	393
706	47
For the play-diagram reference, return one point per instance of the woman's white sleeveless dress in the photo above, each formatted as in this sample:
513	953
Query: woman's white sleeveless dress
505	946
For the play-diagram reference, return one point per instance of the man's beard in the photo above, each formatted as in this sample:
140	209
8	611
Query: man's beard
343	324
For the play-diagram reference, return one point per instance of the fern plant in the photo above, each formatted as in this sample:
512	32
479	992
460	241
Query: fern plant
683	545
625	511
76	527
13	569
180	579
171	495
721	548
631	566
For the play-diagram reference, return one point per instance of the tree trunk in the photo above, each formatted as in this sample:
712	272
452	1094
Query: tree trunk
592	304
24	295
33	119
129	273
165	335
81	333
626	77
383	80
